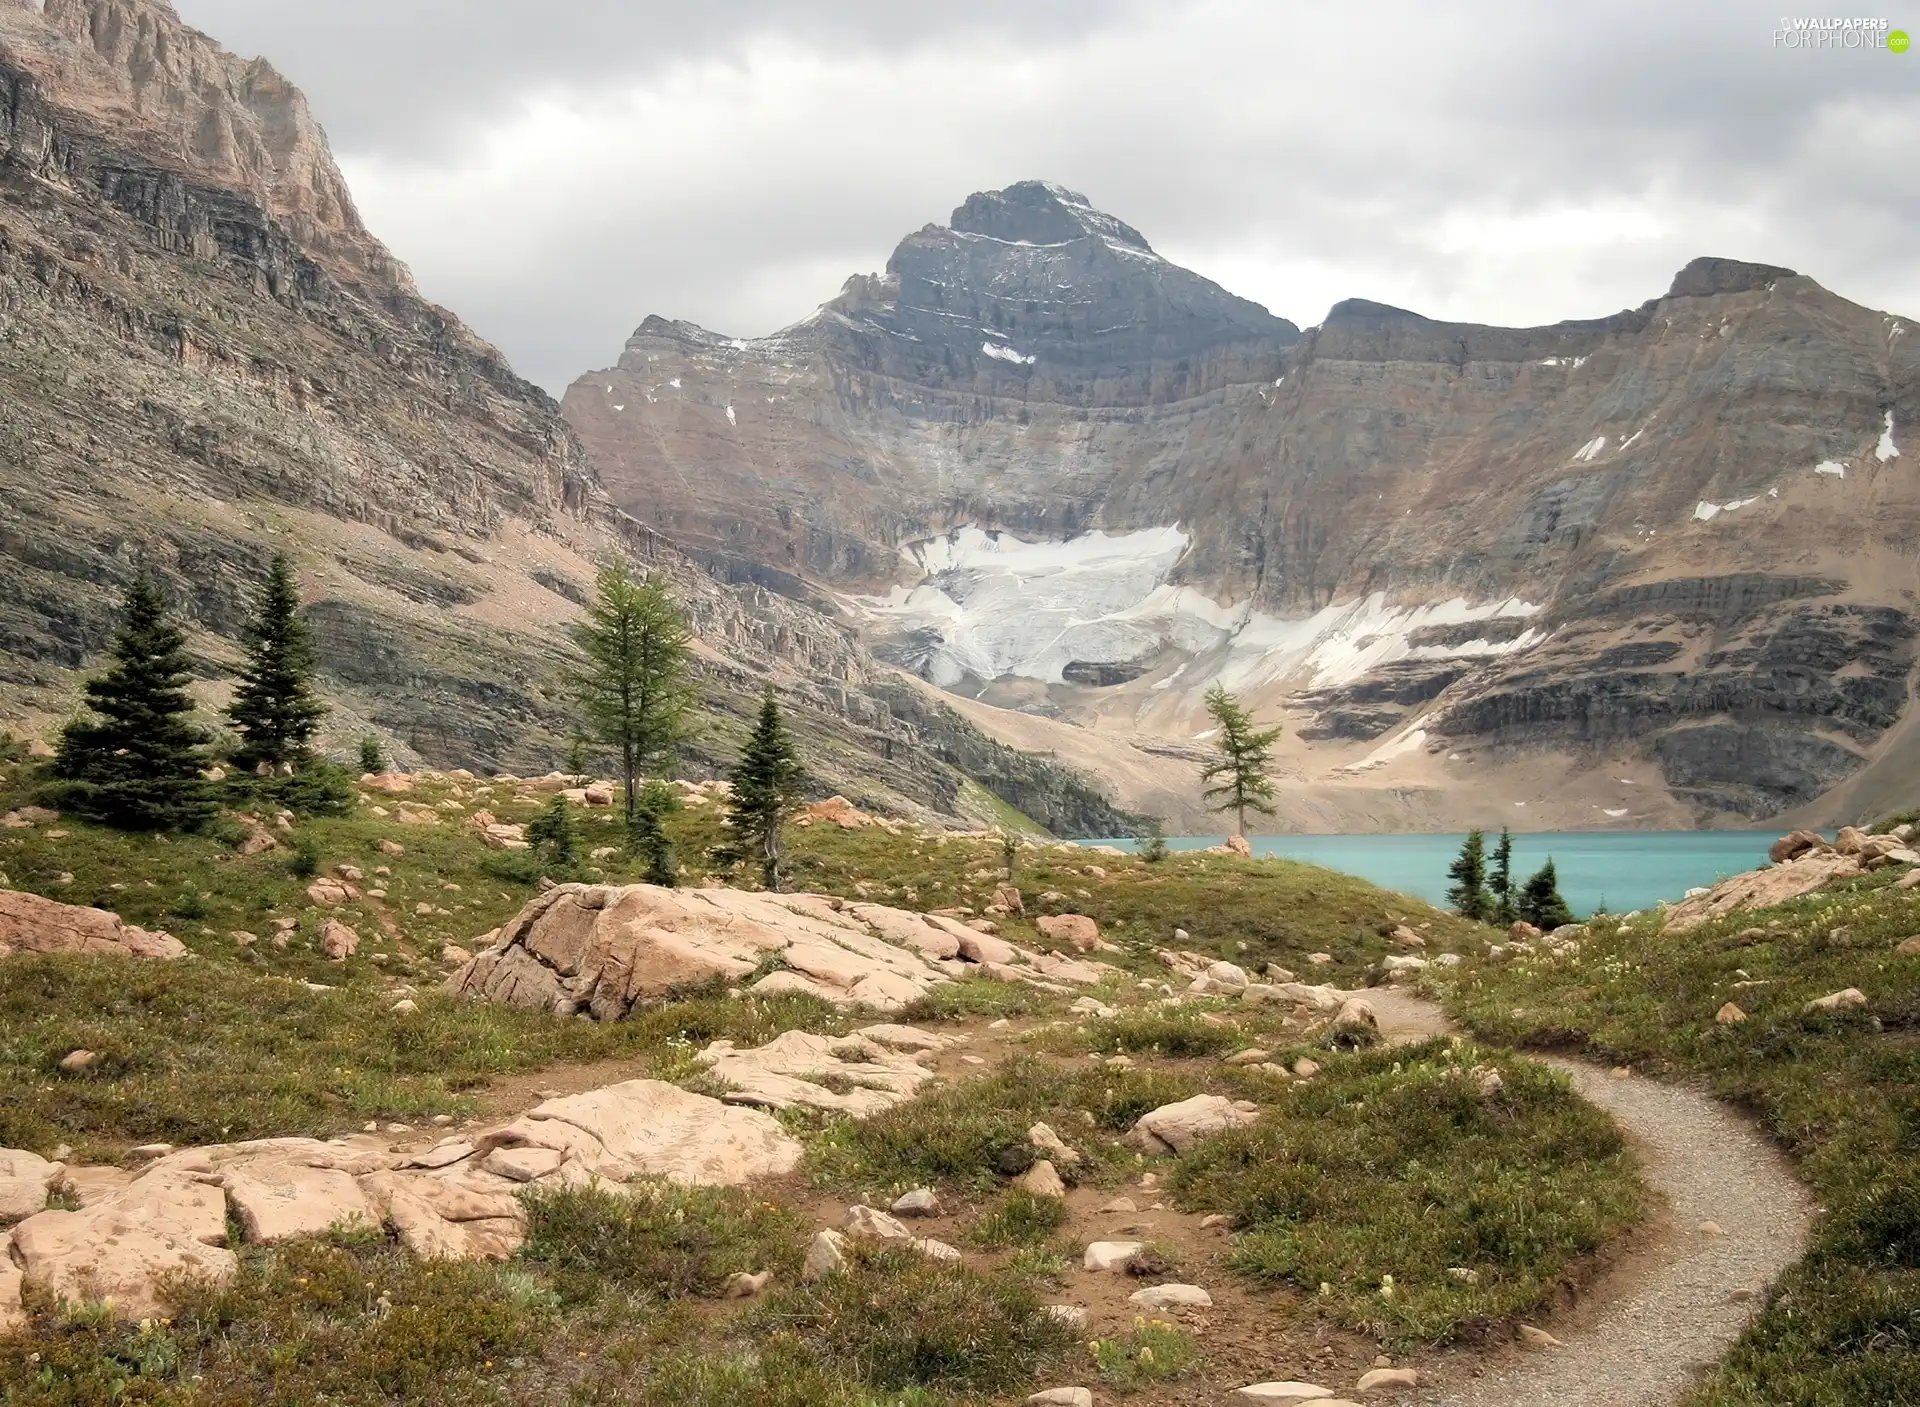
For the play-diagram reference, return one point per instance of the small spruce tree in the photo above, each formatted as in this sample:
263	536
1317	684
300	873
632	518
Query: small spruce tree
767	788
1154	848
372	759
1501	881
1540	901
1237	780
1468	872
275	708
137	762
647	838
551	833
1009	852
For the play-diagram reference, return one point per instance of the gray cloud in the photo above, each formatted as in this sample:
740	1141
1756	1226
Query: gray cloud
554	174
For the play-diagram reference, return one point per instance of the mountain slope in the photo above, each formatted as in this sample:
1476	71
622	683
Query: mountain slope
1649	569
206	357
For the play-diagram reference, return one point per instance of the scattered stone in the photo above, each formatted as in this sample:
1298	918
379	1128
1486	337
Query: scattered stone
1847	999
523	1164
1319	959
936	1250
1407	938
285	1201
1710	1228
1174	1128
1306	1069
1172	1297
392	847
1041	1180
330	892
1355	1023
1249	1057
1909	947
920	1202
1790	847
1114	1256
1730	1015
1464	1275
1538	1338
1237	844
1072	1315
406	1006
826	1256
1043	1138
1383	1379
866	1224
1294	1392
1758	889
74	1062
1062	1397
1216	1221
1120	1204
338	941
1075	929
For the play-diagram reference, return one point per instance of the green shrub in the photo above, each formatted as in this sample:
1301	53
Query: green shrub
1018	1219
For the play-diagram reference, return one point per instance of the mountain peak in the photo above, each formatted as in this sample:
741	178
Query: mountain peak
1707	276
1040	212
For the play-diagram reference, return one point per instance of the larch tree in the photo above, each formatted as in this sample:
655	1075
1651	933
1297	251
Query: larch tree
275	709
137	762
633	685
1237	780
767	789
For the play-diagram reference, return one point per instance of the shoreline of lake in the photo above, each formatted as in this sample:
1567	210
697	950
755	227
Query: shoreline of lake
1615	870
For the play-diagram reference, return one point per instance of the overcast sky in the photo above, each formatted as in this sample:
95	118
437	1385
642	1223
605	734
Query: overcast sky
554	170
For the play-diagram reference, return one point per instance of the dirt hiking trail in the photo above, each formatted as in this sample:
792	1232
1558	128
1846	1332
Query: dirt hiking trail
1734	1218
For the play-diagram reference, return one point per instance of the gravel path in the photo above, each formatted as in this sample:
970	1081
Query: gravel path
1673	1307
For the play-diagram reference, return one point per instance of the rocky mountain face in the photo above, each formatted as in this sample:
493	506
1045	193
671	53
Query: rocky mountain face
205	357
1655	568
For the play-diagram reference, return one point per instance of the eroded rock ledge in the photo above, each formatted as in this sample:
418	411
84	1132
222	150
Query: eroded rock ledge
603	949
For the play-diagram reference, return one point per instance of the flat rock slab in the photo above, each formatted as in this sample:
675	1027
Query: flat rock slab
31	924
848	1075
284	1201
120	1252
665	1131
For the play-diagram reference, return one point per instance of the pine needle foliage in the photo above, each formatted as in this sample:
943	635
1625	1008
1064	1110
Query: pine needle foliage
632	685
767	789
136	762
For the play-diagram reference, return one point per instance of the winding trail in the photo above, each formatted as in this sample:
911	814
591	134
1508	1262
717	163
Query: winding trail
1735	1218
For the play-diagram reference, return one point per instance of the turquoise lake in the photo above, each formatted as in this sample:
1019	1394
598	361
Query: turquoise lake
1622	869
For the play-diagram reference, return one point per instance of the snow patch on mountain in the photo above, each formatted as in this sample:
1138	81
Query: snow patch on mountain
1886	449
990	604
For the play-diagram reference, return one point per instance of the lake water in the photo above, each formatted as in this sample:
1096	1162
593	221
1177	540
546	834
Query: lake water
1622	869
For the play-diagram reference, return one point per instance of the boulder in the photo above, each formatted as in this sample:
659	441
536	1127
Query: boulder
31	924
1729	1015
120	1249
1387	1380
338	941
1763	888
1046	1141
25	1180
387	783
1007	897
1226	977
985	949
1062	1397
1850	840
1237	844
1521	932
1789	847
1290	1392
1075	929
658	1129
408	814
1174	1128
330	892
605	948
1355	1023
920	1202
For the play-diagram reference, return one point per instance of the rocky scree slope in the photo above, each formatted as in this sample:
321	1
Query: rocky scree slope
1041	465
206	357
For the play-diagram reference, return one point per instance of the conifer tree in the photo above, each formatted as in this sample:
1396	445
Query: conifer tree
1540	901
551	833
633	685
274	708
137	762
372	759
1237	780
766	790
647	839
1469	875
1501	882
1153	849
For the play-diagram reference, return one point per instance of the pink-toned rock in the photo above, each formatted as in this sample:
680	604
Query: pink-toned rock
121	1249
331	892
983	948
338	941
1521	931
408	814
1758	889
1239	846
1077	929
1174	1128
392	847
31	924
285	1200
390	783
1789	847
